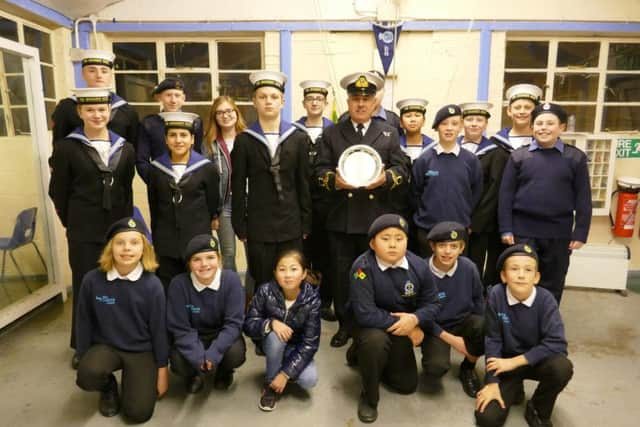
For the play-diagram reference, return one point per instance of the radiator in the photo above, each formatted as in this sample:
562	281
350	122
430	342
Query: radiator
599	266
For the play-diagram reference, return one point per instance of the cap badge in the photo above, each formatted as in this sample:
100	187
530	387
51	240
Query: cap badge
527	249
451	110
454	234
402	222
131	223
179	86
212	243
362	82
546	106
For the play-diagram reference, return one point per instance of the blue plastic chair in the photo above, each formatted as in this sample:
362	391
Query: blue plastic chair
23	233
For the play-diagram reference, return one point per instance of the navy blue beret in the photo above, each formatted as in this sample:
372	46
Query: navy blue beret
386	221
201	243
548	107
517	249
168	83
447	231
125	224
446	112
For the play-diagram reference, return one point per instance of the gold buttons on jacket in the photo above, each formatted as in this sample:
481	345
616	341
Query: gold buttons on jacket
350	195
371	197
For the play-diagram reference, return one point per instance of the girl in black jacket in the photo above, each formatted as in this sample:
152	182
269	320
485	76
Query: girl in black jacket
284	316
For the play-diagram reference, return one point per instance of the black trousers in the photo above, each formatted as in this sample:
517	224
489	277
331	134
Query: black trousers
83	257
424	248
385	357
344	249
169	268
316	251
233	358
484	249
553	375
436	354
263	255
139	378
553	262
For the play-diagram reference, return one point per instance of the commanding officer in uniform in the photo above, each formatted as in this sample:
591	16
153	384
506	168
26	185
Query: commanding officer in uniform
151	140
97	72
522	99
354	209
315	246
271	205
484	241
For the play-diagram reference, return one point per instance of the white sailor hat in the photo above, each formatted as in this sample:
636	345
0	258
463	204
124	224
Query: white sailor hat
97	57
476	109
178	119
524	91
268	78
315	86
92	95
362	83
412	104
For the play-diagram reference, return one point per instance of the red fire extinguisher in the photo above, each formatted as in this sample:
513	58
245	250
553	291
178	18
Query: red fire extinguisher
628	189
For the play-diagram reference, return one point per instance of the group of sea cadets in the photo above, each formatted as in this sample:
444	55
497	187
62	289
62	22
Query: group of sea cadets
389	257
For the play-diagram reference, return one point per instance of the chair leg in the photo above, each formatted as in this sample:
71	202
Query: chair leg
40	255
20	271
4	258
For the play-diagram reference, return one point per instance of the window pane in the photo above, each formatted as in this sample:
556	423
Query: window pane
12	63
575	87
622	88
197	85
620	118
235	85
49	107
624	56
249	113
47	81
202	111
526	54
145	110
538	79
8	29
584	114
185	55
17	93
40	40
20	120
3	123
239	56
136	87
571	54
135	56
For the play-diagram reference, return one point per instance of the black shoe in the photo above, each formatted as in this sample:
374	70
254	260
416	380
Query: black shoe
367	413
470	381
326	313
75	361
340	338
259	351
269	399
109	400
195	384
432	384
519	398
352	354
533	418
223	380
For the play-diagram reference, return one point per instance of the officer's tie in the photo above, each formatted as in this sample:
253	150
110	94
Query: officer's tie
360	129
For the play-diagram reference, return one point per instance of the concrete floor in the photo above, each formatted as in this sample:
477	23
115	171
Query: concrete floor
37	386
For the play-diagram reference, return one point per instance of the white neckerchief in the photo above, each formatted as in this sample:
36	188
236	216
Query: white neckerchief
511	300
272	139
179	169
440	149
314	132
133	275
439	273
103	147
214	285
403	263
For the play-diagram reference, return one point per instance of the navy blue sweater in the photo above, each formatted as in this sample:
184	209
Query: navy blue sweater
460	295
445	187
210	313
129	316
537	332
374	294
540	191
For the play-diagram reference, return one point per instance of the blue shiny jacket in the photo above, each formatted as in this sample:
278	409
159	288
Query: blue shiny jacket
303	317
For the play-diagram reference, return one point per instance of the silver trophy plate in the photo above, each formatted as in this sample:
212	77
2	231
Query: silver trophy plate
360	165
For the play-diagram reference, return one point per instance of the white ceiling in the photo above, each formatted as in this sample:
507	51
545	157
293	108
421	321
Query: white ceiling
76	9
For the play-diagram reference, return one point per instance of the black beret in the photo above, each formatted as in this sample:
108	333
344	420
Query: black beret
201	243
447	231
446	112
168	83
386	221
517	249
125	224
548	107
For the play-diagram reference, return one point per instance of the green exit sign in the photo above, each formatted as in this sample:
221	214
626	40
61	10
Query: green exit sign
628	148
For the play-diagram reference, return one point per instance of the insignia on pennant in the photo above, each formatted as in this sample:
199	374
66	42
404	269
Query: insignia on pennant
212	243
527	249
361	82
546	106
359	274
131	223
451	110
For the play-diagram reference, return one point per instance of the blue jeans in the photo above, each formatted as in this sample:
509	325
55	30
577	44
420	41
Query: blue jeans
274	350
227	238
